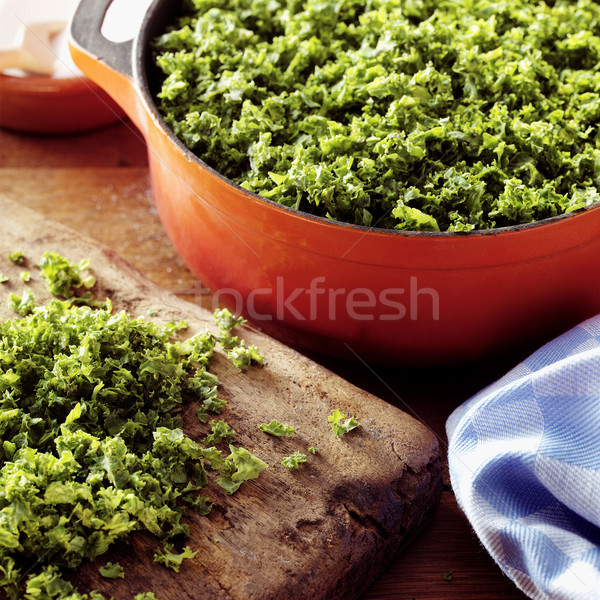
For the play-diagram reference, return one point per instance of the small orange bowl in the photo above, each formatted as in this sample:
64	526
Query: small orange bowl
49	105
405	298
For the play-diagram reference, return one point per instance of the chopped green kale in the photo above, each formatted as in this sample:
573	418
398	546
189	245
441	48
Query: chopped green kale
241	355
214	405
64	278
17	257
431	115
220	430
340	427
92	445
49	584
276	428
294	460
24	304
171	559
214	457
112	571
240	466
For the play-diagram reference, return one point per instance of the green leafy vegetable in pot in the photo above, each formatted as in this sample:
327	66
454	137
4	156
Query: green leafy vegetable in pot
435	115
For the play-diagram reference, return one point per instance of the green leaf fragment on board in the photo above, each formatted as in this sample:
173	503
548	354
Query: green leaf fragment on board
341	423
24	304
241	465
112	571
276	428
16	257
171	559
294	460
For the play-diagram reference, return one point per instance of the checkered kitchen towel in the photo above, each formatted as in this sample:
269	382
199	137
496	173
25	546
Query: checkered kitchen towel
524	459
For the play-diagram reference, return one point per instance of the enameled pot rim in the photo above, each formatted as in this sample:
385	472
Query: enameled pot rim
141	60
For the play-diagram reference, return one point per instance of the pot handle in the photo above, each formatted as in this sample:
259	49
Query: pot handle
107	63
85	31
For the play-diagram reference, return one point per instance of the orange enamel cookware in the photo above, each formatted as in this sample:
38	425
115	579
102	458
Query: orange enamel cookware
384	296
49	105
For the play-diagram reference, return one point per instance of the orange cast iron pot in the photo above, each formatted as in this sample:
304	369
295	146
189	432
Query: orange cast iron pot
375	295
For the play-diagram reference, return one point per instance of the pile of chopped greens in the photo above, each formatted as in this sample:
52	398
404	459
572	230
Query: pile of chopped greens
64	277
92	446
439	115
92	443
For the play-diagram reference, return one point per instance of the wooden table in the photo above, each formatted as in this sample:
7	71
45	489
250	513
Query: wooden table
98	183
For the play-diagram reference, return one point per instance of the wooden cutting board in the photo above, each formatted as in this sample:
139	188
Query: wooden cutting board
324	531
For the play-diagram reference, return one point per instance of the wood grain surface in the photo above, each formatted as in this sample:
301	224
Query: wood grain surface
98	184
322	532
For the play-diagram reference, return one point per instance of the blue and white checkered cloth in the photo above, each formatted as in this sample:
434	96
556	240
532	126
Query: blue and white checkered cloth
524	458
